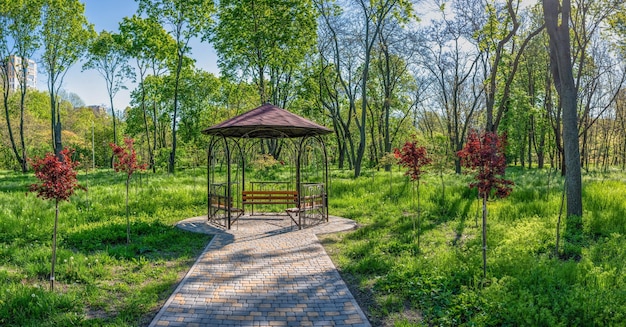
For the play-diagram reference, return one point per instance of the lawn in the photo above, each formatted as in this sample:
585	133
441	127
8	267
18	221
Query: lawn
440	283
102	281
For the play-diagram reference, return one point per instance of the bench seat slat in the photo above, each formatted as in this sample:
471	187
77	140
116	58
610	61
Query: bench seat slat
269	192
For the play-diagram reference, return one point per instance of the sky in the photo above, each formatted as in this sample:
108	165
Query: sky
89	85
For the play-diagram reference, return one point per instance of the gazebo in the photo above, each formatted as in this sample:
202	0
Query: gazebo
235	141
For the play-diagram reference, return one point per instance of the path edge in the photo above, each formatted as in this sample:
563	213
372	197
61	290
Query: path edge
180	285
354	301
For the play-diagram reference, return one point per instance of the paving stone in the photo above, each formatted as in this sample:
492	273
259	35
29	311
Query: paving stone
262	272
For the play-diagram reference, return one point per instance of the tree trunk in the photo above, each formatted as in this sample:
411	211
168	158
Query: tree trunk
558	222
58	144
484	236
145	122
9	128
54	243
561	66
179	67
114	127
127	213
529	149
23	160
419	221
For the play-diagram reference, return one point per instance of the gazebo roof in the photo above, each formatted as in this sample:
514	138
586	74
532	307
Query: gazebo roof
267	121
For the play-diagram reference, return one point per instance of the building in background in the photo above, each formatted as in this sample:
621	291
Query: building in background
15	70
98	110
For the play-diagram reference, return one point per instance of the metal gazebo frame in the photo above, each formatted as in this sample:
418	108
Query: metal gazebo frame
264	122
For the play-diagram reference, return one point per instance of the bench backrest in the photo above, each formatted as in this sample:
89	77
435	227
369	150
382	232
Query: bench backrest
269	197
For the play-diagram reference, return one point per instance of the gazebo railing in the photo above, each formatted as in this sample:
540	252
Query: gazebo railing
313	203
220	205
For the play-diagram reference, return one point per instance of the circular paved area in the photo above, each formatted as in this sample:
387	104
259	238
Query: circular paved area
262	272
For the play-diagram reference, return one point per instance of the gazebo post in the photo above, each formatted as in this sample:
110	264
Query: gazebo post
242	157
210	174
228	182
326	179
298	186
208	180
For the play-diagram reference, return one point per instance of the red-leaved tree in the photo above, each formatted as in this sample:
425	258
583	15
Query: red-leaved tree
58	183
414	158
127	163
484	155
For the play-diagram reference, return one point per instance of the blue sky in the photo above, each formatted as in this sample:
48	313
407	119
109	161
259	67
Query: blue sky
89	85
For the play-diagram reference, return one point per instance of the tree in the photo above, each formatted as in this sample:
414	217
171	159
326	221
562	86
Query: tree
414	158
266	41
58	183
392	88
200	92
72	98
127	163
65	36
557	18
494	27
594	65
375	13
186	19
455	70
531	81
484	154
107	56
338	76
351	33
20	24
145	40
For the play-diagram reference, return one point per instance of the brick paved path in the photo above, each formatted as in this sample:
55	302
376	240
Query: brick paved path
263	272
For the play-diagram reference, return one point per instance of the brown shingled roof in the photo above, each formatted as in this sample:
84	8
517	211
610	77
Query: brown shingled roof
267	121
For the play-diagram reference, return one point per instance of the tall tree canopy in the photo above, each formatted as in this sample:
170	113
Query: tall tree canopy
107	56
265	41
65	37
20	23
184	20
147	42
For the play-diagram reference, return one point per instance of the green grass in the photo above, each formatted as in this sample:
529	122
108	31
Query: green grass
441	282
100	280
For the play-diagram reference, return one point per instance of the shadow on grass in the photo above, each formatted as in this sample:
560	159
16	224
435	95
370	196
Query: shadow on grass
151	240
16	183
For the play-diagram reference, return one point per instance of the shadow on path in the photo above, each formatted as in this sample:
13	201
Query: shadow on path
263	272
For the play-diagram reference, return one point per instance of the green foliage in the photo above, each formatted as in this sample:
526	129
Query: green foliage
265	166
65	34
442	282
102	280
106	282
267	42
107	55
34	306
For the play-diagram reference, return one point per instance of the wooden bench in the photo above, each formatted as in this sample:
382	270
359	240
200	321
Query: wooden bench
269	197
